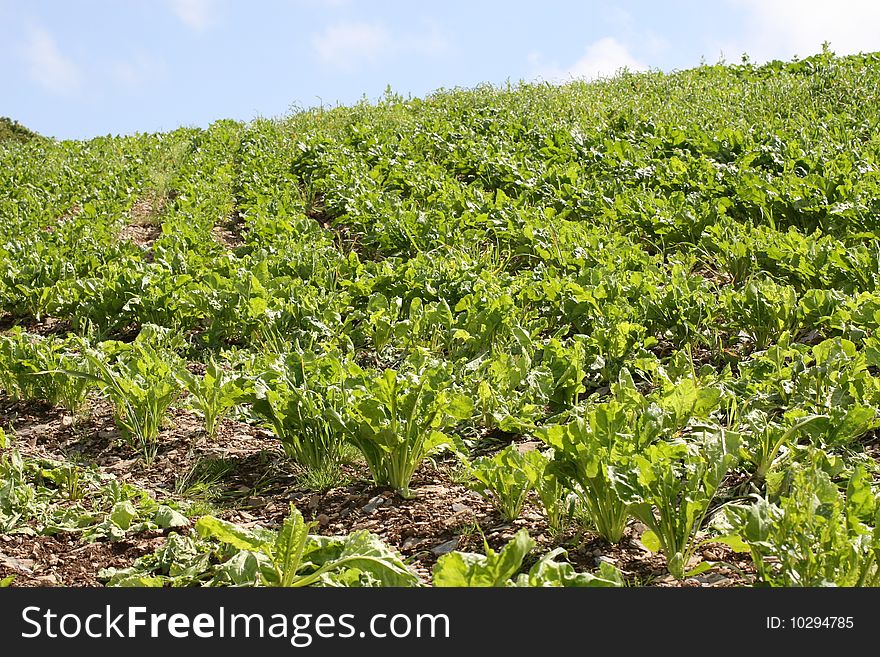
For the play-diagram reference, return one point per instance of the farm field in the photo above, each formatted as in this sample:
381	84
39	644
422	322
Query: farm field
619	333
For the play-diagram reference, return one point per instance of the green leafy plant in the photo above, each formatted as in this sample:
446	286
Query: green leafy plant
301	396
134	513
142	384
71	392
32	367
47	497
557	502
293	558
833	381
13	131
18	495
507	477
510	393
496	569
589	452
212	394
69	478
729	247
764	440
721	249
398	419
815	535
764	310
672	486
567	363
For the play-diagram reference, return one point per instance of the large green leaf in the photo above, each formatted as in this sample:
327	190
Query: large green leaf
229	533
491	569
123	513
550	572
168	518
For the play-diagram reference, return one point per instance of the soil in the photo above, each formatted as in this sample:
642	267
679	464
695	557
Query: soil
144	235
144	226
254	483
45	326
230	234
62	561
227	238
146	210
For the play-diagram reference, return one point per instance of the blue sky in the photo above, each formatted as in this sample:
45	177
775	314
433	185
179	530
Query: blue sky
76	69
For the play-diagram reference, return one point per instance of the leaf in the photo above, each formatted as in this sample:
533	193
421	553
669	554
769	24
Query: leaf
436	440
733	541
510	559
246	568
168	518
506	478
549	572
122	514
361	551
872	352
860	499
257	306
227	532
686	399
459	569
554	436
459	406
651	541
610	573
289	545
138	581
701	567
493	569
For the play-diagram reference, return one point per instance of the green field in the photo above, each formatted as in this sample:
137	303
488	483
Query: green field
599	334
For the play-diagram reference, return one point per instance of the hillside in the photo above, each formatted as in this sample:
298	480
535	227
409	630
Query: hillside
13	131
635	318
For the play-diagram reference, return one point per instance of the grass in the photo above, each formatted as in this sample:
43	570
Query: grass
205	478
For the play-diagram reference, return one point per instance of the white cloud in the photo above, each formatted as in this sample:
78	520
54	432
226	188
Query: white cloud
195	14
48	66
618	16
602	58
138	71
780	29
346	46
